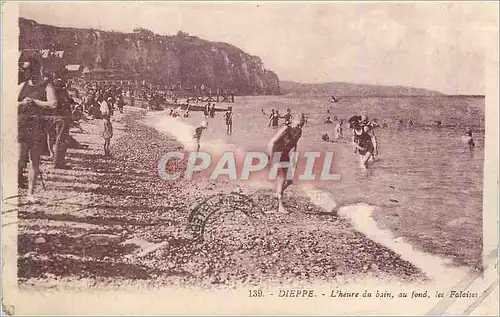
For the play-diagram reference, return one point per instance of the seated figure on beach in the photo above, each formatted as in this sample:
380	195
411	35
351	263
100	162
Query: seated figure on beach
364	139
283	142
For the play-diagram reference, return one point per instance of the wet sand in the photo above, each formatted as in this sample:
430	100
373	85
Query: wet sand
112	221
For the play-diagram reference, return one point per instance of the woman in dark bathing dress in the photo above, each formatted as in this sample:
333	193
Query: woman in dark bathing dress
283	142
35	95
363	139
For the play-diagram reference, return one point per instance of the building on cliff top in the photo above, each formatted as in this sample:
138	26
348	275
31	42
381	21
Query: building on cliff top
51	60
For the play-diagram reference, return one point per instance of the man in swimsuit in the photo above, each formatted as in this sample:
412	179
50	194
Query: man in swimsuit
364	140
283	142
276	118
271	116
288	117
228	116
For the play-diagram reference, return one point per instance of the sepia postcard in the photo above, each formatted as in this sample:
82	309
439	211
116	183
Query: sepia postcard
250	158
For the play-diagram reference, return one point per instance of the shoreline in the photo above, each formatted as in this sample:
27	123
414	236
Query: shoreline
386	221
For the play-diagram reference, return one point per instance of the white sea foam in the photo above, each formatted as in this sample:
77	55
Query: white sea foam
437	268
183	132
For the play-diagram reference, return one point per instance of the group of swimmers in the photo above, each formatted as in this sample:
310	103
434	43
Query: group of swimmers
363	138
275	116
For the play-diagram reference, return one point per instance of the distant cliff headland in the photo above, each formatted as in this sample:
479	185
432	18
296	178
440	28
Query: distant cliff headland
160	59
341	89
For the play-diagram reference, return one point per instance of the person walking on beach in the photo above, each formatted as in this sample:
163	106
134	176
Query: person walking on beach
283	142
107	134
363	139
467	138
228	116
197	133
34	95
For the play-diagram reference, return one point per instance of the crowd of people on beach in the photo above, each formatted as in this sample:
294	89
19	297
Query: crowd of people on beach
48	107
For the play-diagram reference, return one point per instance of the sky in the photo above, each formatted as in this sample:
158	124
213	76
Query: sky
438	46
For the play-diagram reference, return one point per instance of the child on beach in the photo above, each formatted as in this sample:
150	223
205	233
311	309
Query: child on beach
197	133
107	133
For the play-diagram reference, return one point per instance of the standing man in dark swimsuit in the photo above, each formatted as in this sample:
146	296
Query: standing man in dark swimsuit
283	142
271	116
288	117
228	116
276	118
34	96
364	140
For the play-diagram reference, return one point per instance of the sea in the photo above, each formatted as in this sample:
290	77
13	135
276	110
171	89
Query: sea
422	171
